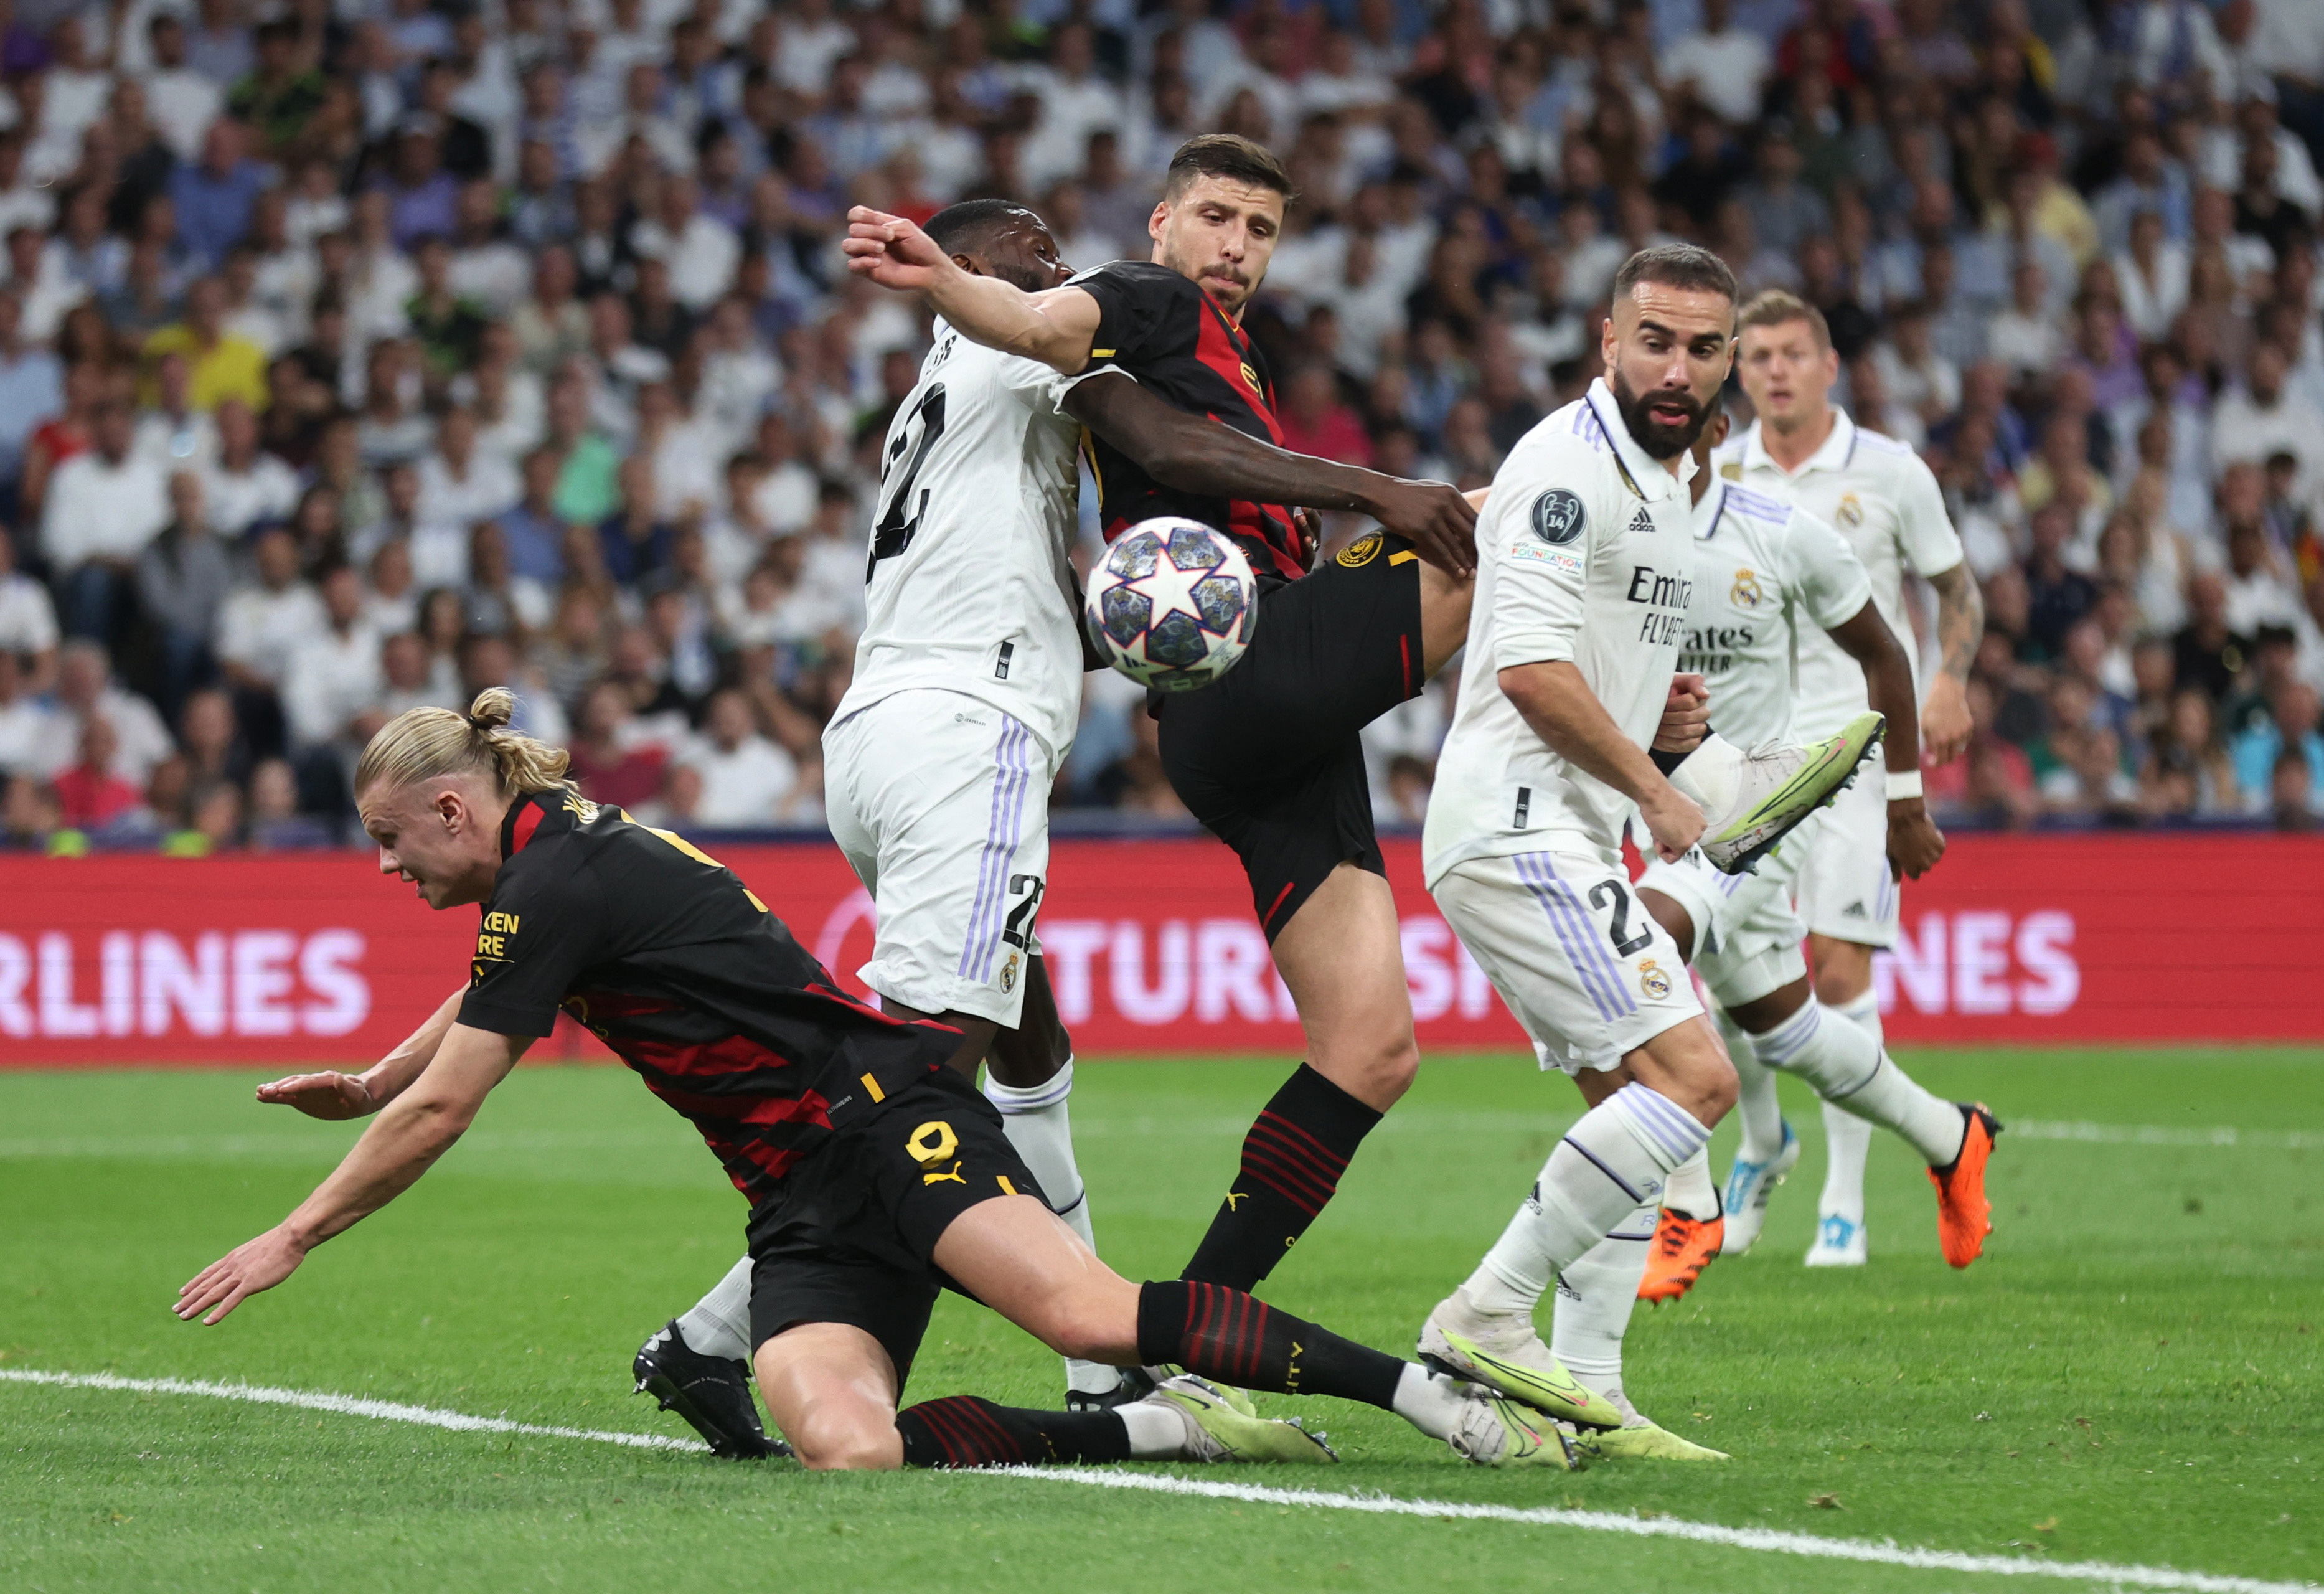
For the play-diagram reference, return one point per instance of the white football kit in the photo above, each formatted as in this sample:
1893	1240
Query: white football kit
1768	576
1876	493
1584	556
939	758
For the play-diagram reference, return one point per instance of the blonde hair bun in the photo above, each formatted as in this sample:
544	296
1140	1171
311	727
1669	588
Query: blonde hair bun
432	743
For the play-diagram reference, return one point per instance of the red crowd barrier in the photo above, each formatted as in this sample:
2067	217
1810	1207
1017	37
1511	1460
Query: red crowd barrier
1152	946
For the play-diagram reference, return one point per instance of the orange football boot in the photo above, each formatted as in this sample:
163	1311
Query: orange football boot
1681	1248
1964	1216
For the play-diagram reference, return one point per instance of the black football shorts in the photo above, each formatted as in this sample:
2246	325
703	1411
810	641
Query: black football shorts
849	1235
1269	756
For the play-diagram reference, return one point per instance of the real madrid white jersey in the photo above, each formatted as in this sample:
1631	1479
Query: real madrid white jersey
1769	577
969	587
1879	496
1584	555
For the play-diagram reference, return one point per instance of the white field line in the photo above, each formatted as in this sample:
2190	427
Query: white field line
1763	1540
2118	1134
345	1405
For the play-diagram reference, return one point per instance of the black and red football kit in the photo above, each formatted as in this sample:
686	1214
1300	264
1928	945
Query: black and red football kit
853	1141
1269	757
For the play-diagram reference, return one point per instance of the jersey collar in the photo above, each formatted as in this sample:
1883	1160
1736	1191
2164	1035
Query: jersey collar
1837	450
517	826
1706	513
1647	475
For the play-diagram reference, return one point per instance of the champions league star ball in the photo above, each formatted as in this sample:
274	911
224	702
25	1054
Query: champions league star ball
1172	604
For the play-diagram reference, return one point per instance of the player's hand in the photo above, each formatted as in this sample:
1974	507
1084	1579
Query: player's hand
1915	842
1686	715
1434	517
254	1266
1675	820
1944	722
328	1095
891	251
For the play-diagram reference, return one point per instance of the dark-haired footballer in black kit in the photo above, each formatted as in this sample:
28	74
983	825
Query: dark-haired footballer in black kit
877	1176
1269	756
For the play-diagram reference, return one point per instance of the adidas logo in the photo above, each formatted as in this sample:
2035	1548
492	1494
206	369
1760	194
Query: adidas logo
1854	910
1642	521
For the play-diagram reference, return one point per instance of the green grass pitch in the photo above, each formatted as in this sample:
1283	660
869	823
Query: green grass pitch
2131	1375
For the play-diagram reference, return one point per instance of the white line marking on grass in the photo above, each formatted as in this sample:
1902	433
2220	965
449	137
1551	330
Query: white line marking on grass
1886	1553
1766	1540
2132	1134
345	1405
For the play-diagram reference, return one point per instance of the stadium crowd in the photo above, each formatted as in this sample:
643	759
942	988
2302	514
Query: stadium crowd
361	354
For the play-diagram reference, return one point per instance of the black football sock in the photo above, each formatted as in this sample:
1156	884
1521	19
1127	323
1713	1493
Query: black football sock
1292	1161
963	1431
1668	762
1221	1333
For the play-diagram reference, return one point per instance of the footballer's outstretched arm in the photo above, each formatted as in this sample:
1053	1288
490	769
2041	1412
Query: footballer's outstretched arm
1196	454
1054	326
331	1094
1915	843
1960	627
419	1127
1566	714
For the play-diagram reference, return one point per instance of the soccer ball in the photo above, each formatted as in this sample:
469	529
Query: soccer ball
1173	604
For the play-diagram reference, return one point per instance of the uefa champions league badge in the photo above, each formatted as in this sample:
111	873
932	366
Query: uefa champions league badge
1558	516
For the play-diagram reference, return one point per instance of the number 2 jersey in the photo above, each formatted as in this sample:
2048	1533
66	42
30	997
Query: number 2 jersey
969	587
1161	330
1584	556
673	963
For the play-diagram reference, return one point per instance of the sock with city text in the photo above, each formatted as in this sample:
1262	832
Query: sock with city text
1292	1161
1233	1338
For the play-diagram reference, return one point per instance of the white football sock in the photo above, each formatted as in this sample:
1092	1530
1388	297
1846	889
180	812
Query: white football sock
1429	1401
1849	1070
1690	1193
1617	1159
719	1324
1711	774
1848	1139
1157	1430
1037	1124
1756	1107
1925	1121
1595	1296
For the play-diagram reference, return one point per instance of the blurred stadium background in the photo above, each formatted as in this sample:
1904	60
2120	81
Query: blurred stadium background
358	355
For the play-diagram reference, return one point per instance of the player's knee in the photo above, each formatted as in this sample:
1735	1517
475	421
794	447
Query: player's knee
849	1447
1377	1074
1717	1089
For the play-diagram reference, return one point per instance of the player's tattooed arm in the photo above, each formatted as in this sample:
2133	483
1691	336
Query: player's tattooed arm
1054	326
335	1095
401	1144
1196	454
1960	627
1915	842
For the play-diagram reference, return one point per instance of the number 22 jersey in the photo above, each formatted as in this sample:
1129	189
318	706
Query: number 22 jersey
969	584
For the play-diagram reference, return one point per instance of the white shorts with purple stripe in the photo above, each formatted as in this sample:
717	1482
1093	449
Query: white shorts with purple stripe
1847	891
1746	936
941	803
1562	936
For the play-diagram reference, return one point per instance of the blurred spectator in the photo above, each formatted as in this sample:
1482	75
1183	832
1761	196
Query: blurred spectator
746	780
89	794
100	510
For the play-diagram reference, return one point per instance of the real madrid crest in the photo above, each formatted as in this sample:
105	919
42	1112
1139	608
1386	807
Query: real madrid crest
1008	975
1745	593
1653	981
1850	513
1361	551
